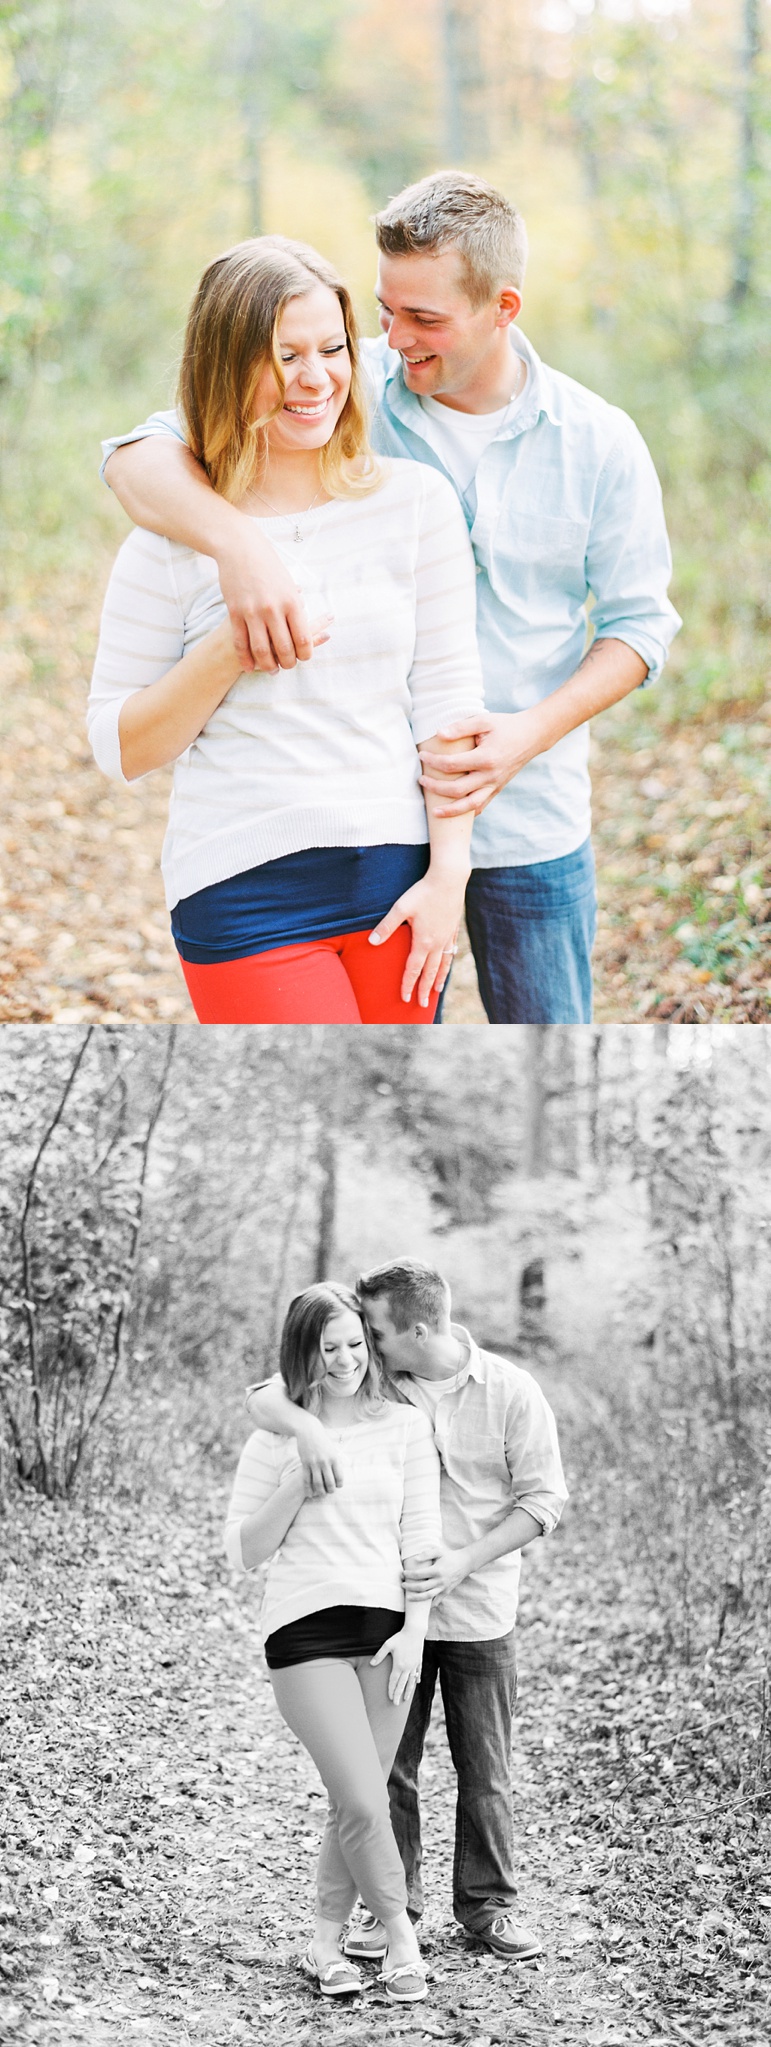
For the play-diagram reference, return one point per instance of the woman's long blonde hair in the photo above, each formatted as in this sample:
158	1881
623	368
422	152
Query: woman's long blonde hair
231	339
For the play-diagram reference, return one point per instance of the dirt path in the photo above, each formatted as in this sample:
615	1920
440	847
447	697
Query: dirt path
163	1825
164	1829
683	825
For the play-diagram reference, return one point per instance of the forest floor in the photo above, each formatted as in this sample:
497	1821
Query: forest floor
163	1824
682	833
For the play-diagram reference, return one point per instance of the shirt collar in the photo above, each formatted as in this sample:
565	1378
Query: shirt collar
471	1367
541	395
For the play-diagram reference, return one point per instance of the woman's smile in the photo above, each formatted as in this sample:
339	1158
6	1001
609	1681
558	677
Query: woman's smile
308	408
344	1353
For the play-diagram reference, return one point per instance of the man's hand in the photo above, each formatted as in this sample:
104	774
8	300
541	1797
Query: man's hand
322	1470
267	614
430	1576
505	742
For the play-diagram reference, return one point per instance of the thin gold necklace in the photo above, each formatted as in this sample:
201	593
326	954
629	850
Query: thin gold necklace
297	516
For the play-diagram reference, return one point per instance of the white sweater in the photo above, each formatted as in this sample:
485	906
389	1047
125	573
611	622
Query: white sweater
323	754
347	1548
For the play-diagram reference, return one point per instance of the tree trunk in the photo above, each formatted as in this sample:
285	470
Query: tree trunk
326	1154
594	1101
535	1148
747	154
463	81
250	63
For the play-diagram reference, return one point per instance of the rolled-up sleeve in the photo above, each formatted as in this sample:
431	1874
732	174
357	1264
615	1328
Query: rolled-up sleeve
628	558
142	636
446	675
161	424
421	1519
533	1455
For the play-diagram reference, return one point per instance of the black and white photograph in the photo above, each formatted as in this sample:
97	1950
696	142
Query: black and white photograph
386	1521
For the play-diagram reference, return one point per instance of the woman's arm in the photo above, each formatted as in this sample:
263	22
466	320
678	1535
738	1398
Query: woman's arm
433	906
157	724
261	1534
420	1531
263	1503
445	670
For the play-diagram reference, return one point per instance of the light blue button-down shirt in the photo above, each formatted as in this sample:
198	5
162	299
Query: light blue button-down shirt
497	1442
565	505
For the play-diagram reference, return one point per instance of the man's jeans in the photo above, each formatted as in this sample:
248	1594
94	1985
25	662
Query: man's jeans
532	931
479	1687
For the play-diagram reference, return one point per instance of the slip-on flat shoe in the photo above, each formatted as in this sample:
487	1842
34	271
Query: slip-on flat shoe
405	1985
366	1939
336	1979
505	1937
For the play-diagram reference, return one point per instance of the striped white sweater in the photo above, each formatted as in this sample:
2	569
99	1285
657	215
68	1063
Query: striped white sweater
347	1548
323	754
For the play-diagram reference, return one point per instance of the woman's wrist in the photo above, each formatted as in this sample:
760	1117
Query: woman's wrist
416	1615
449	867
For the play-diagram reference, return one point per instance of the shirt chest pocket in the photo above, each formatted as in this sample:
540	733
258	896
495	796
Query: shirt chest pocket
534	551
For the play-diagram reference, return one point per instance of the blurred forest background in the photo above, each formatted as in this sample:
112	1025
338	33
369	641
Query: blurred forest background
601	1203
634	136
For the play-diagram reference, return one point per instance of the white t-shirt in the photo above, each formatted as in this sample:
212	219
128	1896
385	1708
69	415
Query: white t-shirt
460	438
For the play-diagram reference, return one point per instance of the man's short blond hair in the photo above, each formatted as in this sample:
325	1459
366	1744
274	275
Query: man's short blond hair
455	209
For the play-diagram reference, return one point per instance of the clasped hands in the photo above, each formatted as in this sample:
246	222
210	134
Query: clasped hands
505	742
439	1571
424	1578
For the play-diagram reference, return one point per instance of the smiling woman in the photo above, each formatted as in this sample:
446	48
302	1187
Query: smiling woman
309	878
343	1638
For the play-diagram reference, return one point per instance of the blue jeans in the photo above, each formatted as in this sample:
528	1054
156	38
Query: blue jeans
478	1683
532	931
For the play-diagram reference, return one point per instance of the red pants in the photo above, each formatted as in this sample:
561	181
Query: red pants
341	980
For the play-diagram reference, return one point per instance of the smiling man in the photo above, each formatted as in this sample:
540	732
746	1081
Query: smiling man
564	509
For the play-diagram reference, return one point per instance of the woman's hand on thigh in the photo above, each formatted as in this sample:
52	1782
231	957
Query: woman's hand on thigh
432	908
406	1653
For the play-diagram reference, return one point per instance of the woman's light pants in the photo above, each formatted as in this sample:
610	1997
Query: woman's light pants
340	1710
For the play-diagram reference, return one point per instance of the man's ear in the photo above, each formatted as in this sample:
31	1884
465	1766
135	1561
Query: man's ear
421	1332
508	307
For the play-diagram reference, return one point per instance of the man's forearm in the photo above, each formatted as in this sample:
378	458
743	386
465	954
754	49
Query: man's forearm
270	1407
609	671
518	1529
162	486
431	1577
506	741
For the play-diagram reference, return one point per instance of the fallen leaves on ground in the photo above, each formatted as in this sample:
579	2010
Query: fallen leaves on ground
682	832
682	826
163	1824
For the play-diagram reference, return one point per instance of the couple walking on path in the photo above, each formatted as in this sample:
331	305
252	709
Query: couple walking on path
395	1474
354	617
